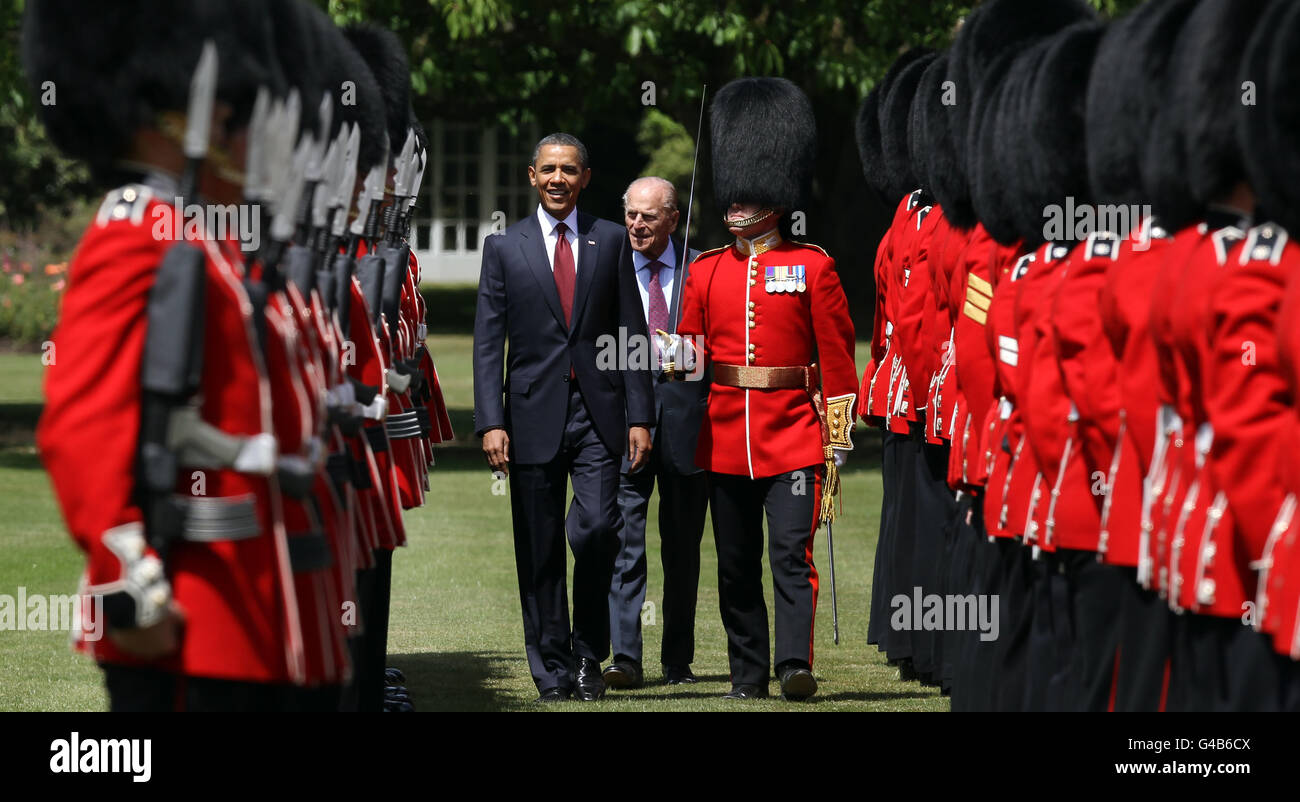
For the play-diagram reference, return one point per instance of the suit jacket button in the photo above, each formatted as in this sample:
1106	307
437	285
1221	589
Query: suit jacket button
566	378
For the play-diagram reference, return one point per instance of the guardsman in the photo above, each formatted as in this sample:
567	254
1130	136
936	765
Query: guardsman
778	334
1269	59
179	517
875	392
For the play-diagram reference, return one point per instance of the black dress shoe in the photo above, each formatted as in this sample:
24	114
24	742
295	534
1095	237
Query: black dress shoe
554	695
746	692
623	674
590	686
797	683
394	676
679	675
393	706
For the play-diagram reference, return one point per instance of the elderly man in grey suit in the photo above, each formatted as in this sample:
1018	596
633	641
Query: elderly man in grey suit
659	259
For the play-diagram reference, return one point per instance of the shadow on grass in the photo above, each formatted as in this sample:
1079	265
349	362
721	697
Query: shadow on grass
459	681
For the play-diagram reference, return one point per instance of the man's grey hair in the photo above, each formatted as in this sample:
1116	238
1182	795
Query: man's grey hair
670	191
566	140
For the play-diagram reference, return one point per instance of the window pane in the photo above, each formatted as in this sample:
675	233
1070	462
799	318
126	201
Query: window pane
472	140
471	236
450	143
506	175
470	172
449	238
450	206
450	173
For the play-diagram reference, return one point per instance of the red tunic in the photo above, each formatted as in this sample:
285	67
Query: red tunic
759	433
241	612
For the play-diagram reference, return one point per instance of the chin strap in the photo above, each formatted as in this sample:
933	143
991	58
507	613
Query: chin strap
756	217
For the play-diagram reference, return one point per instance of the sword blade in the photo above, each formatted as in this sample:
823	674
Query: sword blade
835	607
690	202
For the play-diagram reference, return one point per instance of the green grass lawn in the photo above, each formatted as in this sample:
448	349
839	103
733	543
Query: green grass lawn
456	628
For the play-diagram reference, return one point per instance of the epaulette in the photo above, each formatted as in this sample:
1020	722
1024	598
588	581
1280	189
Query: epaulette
810	245
710	252
1054	251
921	215
1022	266
124	203
1224	239
1101	245
1266	244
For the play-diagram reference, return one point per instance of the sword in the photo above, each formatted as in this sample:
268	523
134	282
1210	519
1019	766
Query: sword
690	202
835	607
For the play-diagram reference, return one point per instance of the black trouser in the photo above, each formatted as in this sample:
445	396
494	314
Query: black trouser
683	501
1050	671
935	511
1096	593
134	689
537	495
878	630
1016	583
1222	665
369	650
790	502
900	577
1142	675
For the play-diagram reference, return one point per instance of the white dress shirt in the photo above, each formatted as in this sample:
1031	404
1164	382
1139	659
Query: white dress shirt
666	275
548	224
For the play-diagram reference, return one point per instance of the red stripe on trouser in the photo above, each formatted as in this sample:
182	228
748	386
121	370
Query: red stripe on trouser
1164	687
808	555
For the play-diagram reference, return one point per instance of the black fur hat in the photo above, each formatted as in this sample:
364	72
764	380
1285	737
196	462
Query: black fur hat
1192	158
1053	165
895	122
868	133
1267	129
993	34
1127	88
997	136
115	67
927	110
764	142
357	97
385	55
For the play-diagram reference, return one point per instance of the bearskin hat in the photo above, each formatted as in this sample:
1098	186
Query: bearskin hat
116	66
1125	92
764	143
992	35
385	55
333	65
998	128
895	122
1053	166
927	110
1267	129
1192	158
868	133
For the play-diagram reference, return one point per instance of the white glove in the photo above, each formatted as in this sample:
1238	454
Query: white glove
841	457
257	455
673	349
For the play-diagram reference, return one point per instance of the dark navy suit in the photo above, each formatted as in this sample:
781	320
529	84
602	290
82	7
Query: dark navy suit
683	502
558	427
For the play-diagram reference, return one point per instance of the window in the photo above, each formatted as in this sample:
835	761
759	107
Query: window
473	174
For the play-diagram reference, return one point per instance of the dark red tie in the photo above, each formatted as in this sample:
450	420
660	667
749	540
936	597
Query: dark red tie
565	273
657	315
